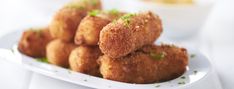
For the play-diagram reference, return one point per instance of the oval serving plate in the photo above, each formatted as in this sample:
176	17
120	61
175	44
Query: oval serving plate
199	67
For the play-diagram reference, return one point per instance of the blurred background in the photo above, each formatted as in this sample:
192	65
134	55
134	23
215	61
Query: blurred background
207	25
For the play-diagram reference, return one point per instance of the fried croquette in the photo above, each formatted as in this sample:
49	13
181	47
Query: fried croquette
33	42
129	33
89	29
147	65
67	19
84	59
58	51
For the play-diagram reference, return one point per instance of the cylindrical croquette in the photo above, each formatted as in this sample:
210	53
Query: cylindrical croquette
89	29
58	51
147	65
67	19
129	33
84	59
33	42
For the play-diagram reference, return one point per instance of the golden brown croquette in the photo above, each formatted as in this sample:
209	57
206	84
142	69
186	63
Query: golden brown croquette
129	33
33	42
67	19
89	29
147	65
84	59
58	51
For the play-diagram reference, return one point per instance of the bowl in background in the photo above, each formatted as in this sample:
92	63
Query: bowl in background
179	20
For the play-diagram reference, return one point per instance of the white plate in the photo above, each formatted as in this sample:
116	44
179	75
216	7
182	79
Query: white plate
198	69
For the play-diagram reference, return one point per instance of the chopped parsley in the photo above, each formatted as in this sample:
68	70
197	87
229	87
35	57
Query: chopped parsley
77	5
126	18
94	2
94	12
181	83
158	86
74	5
44	60
183	77
192	55
113	12
69	72
156	56
12	50
195	71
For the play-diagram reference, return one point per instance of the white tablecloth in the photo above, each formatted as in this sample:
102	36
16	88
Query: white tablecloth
15	14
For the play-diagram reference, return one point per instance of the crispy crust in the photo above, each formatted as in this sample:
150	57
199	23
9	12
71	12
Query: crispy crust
58	51
89	30
33	42
140	67
118	39
84	59
67	19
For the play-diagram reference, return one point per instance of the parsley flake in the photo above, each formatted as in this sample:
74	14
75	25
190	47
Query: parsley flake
94	12
158	86
113	12
195	71
192	55
69	72
183	77
94	2
74	5
126	18
44	60
156	56
181	83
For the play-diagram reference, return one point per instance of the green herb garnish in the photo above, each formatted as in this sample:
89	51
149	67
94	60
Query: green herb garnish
44	60
158	86
69	72
156	56
94	12
181	83
94	2
195	71
12	50
183	77
192	55
126	18
113	12
74	5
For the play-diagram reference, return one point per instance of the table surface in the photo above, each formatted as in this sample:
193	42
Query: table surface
216	40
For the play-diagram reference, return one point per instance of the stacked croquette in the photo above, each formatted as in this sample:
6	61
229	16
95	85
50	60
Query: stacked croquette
131	56
110	44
